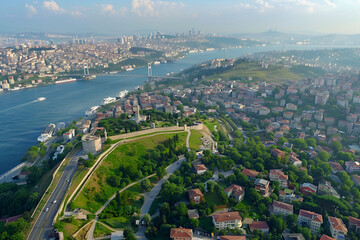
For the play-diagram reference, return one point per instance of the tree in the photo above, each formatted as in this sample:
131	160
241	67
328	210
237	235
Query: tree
161	172
253	196
172	192
147	219
129	234
190	156
193	223
291	220
145	184
277	224
311	142
336	145
182	209
324	156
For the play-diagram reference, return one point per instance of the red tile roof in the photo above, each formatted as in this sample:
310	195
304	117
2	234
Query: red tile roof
337	224
250	173
326	237
282	205
235	189
195	193
181	233
354	221
226	216
260	225
232	238
200	167
314	216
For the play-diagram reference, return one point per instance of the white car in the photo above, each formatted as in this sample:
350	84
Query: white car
54	201
47	209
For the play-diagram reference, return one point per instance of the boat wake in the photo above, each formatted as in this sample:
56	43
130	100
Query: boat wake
19	106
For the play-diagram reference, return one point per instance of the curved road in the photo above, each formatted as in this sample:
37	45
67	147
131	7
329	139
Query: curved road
43	225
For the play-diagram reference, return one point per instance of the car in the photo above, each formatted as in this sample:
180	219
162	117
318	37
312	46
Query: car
54	201
47	209
67	180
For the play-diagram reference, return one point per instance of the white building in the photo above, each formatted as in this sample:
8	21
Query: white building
311	220
226	220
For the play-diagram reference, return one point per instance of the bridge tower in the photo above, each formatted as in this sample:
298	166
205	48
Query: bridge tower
86	70
149	72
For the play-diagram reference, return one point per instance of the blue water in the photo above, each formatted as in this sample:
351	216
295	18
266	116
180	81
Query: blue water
22	120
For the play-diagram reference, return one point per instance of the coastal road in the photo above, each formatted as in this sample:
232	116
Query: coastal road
43	225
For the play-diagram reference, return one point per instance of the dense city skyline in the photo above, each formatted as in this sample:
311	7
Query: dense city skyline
140	16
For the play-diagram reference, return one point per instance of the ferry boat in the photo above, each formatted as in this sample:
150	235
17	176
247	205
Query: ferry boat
89	77
65	81
39	99
122	94
91	111
47	133
108	100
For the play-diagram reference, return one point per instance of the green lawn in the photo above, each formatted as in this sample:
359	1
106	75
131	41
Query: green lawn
70	228
246	209
118	222
213	198
97	191
101	231
211	123
195	139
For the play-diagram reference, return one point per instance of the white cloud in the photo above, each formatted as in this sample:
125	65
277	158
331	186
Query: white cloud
76	13
155	7
331	4
53	6
31	10
108	9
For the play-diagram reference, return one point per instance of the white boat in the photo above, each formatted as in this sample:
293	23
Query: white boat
108	100
39	99
129	69
122	94
65	81
156	62
47	133
59	126
92	110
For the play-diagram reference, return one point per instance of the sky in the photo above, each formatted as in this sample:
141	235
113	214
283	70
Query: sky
119	17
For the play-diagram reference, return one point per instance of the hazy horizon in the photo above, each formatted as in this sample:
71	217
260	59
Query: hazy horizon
141	16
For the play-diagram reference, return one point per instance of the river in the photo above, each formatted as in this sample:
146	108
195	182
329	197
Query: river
22	119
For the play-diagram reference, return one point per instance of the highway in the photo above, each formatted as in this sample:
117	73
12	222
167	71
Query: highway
43	226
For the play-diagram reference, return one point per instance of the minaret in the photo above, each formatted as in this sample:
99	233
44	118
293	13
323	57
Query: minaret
138	114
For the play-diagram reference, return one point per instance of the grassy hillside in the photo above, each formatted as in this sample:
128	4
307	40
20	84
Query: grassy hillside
97	190
254	70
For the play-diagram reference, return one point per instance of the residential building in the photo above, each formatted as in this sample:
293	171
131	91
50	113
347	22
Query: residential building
236	191
352	166
232	238
336	167
324	187
294	160
311	220
225	220
282	208
69	135
337	228
193	213
278	153
356	179
195	195
308	188
181	234
288	196
251	174
354	224
200	168
262	186
326	237
259	225
292	236
278	175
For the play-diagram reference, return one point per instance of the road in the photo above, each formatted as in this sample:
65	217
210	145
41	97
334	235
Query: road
43	225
